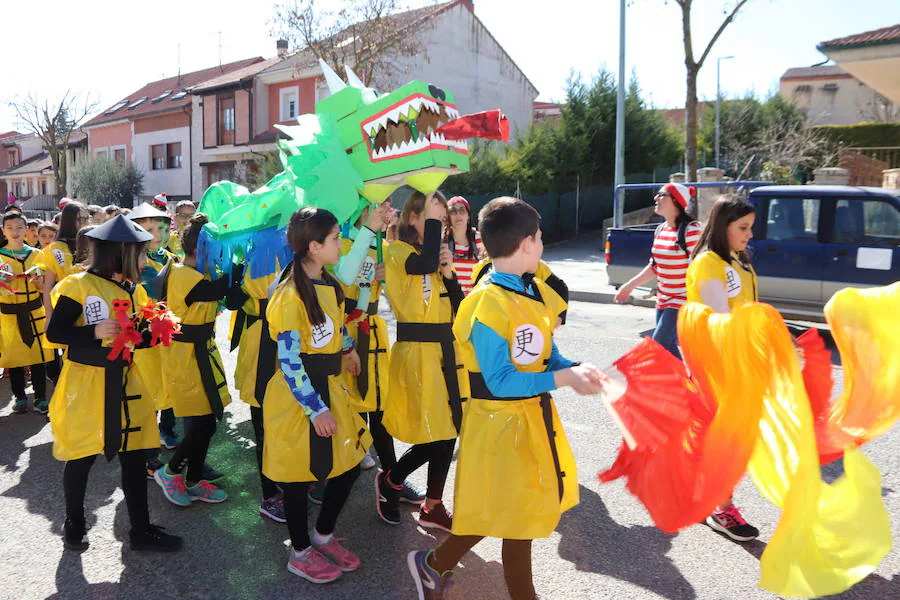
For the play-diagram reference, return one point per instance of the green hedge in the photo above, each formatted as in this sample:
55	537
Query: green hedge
862	135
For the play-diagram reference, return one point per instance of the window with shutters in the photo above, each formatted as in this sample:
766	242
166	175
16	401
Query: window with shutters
158	157
173	155
226	120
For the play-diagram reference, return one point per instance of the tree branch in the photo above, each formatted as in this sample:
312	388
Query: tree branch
718	33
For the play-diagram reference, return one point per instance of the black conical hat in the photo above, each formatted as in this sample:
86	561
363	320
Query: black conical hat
146	211
120	229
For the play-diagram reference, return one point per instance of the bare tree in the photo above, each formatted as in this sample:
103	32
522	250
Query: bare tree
788	147
54	122
878	109
365	35
693	69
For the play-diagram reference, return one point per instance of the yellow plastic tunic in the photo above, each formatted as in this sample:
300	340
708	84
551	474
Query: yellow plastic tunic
183	384
286	453
149	369
419	408
22	310
739	279
77	407
378	352
245	373
542	273
58	259
508	483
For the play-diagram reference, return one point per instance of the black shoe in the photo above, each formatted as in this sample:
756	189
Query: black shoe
153	465
75	537
155	539
387	500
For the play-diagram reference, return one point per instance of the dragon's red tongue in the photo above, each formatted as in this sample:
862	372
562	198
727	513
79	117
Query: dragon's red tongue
488	125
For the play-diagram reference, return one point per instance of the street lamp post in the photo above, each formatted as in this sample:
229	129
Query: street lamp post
619	172
718	98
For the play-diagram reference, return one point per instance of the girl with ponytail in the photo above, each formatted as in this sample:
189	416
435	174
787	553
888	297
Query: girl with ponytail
312	431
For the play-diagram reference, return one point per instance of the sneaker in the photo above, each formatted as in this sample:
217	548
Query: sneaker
211	475
20	406
204	491
312	565
367	462
430	585
42	406
273	508
387	500
436	518
342	558
75	537
173	486
155	539
169	441
411	494
730	522
153	465
316	493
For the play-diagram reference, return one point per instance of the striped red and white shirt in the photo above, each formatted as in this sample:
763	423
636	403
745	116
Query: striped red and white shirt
463	264
670	263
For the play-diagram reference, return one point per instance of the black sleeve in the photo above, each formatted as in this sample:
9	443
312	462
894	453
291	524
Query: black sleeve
235	298
559	286
455	291
208	291
62	329
427	261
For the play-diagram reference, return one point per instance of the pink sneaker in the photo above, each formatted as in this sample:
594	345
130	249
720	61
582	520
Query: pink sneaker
312	565
345	560
729	521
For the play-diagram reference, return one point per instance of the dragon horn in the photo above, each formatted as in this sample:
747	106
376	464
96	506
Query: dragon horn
335	83
353	79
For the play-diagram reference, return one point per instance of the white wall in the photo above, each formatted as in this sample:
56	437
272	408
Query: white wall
197	155
174	182
847	105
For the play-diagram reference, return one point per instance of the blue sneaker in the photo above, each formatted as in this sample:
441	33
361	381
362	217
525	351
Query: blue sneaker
169	441
430	585
211	475
173	486
411	494
204	491
20	406
316	493
273	508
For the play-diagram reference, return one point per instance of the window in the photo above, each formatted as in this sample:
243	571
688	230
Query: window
830	87
220	172
119	154
290	103
793	219
158	157
161	96
868	222
43	187
101	153
178	96
12	158
226	120
137	102
173	155
116	107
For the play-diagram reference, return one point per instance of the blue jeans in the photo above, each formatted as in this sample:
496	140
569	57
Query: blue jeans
666	332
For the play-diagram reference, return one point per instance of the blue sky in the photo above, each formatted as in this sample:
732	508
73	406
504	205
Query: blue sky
98	47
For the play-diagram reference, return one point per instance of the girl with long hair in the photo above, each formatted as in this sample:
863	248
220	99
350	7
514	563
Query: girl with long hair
464	241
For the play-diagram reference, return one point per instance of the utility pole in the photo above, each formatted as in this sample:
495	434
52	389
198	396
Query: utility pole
220	48
619	177
718	98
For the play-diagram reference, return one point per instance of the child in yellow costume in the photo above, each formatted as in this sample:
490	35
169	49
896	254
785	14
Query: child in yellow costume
516	473
543	272
22	316
427	383
98	407
194	378
313	433
721	277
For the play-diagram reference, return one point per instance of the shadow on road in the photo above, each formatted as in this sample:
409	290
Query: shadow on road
594	542
14	431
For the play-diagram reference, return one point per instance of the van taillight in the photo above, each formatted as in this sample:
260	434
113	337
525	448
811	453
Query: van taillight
608	256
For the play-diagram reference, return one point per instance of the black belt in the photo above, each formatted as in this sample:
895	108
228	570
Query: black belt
115	399
362	349
22	310
201	336
441	333
319	367
480	390
266	357
350	306
242	319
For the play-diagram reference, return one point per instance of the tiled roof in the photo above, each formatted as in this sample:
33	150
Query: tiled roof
35	164
235	76
885	35
152	98
821	71
9	134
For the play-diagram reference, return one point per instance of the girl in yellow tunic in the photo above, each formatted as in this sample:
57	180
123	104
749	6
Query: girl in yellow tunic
427	383
98	408
195	380
57	258
22	317
312	431
516	474
721	277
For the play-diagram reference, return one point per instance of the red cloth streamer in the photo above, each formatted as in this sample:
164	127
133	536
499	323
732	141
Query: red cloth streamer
817	379
358	316
163	323
487	125
129	337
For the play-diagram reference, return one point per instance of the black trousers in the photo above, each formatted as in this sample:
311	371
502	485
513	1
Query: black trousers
269	489
191	453
38	380
167	422
438	455
134	484
381	439
337	490
54	367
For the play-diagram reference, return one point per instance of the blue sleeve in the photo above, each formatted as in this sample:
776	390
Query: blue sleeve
349	264
500	375
295	374
557	361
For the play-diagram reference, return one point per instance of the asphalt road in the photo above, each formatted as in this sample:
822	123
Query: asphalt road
606	547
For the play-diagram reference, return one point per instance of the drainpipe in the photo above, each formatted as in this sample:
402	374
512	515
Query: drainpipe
190	149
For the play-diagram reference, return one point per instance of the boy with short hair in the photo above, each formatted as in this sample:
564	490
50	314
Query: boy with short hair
512	442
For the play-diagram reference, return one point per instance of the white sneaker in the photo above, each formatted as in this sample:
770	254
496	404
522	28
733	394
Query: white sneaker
367	462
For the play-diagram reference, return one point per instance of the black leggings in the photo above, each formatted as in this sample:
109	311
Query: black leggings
381	439
438	455
167	422
269	489
54	367
337	490
191	452
134	484
516	562
38	380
